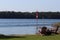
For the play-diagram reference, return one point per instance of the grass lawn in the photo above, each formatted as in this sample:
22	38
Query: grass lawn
35	37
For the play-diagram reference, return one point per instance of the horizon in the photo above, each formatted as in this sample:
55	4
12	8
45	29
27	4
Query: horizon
29	11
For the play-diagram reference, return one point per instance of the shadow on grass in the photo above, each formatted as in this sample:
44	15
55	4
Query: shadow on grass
9	37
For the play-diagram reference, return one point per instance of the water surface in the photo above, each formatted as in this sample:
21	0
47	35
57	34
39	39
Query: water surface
23	26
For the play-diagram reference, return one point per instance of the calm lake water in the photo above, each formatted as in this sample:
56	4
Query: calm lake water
23	26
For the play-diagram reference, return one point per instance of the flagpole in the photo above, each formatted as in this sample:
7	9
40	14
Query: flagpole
36	22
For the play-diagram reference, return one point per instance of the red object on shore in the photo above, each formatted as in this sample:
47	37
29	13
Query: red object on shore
37	15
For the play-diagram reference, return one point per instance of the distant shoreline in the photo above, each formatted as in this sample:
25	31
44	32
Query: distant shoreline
29	15
27	18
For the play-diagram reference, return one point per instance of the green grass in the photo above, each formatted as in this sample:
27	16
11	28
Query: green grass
35	37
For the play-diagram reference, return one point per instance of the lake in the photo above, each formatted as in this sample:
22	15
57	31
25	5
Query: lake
24	26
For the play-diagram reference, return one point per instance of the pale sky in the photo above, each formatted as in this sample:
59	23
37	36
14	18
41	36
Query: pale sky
29	5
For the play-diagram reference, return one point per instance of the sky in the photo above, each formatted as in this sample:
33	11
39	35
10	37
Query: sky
30	5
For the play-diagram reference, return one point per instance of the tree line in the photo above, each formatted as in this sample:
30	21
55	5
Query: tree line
29	15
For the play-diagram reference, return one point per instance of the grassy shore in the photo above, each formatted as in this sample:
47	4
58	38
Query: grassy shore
34	37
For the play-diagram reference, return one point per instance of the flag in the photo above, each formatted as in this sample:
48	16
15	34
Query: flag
37	15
